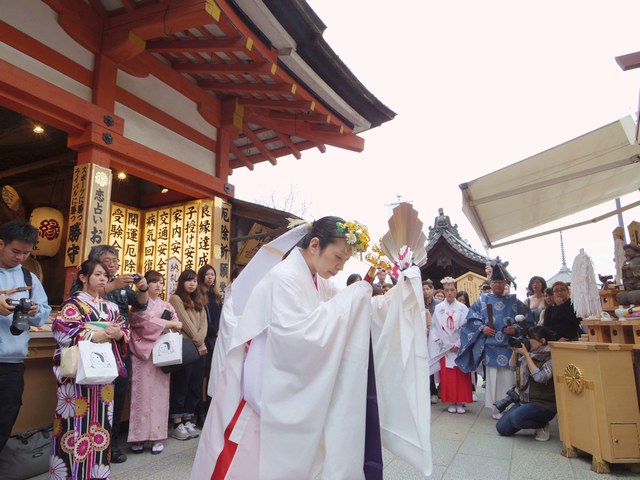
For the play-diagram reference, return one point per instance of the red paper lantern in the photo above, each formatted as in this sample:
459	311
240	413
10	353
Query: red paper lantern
49	223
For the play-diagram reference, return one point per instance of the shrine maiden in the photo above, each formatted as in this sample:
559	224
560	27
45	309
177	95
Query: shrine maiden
289	402
444	342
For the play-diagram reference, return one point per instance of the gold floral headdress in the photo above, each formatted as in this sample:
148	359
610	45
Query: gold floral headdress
356	235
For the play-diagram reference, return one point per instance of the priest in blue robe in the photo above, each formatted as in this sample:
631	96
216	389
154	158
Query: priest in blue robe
485	337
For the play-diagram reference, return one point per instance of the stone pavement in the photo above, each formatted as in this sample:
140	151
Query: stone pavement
465	447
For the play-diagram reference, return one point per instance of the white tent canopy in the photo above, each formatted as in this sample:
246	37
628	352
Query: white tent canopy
581	173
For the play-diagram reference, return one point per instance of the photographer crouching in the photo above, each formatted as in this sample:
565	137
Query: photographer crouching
23	302
533	397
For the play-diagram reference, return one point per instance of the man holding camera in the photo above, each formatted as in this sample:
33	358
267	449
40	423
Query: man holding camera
119	290
381	286
23	302
533	397
485	338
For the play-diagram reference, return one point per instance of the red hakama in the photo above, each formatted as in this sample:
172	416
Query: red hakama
455	385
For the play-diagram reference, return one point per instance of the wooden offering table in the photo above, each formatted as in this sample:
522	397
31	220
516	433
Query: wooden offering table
597	396
39	397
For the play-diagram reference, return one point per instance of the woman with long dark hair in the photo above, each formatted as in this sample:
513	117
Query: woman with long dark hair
463	297
84	413
208	286
536	301
186	383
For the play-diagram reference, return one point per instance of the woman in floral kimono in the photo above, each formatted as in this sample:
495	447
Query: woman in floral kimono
150	386
82	423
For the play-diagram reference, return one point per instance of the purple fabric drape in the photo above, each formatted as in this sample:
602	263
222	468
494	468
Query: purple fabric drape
373	444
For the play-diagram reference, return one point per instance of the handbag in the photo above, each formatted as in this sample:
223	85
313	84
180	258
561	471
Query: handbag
69	361
168	350
189	354
96	363
26	455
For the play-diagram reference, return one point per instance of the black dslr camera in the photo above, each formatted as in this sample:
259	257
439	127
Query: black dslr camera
136	277
512	397
521	337
20	322
520	340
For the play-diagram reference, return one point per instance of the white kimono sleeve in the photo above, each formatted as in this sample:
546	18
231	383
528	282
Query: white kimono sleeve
402	372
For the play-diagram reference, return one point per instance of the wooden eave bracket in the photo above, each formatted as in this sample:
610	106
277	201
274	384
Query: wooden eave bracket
225	68
209	45
248	87
124	36
321	134
240	156
300	105
259	145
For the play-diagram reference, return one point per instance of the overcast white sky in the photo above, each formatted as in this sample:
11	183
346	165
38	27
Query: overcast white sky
476	86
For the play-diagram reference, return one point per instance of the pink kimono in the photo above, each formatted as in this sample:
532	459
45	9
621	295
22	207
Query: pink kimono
149	385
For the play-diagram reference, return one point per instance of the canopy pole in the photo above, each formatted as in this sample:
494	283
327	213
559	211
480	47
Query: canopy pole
621	220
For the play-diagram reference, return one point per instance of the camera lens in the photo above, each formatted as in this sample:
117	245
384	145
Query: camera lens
20	320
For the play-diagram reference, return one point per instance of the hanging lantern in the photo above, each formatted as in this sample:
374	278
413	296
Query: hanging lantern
49	222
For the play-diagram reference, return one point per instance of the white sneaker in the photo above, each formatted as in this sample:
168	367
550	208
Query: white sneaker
452	408
434	399
179	433
542	434
461	409
496	416
192	430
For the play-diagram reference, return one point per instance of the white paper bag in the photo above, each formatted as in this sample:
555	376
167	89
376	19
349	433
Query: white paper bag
168	350
96	363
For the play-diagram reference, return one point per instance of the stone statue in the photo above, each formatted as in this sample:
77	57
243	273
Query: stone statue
441	223
630	276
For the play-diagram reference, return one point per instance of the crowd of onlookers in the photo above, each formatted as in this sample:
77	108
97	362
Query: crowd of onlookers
466	347
491	339
494	338
127	312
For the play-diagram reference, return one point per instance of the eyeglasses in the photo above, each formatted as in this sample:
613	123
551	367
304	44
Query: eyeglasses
110	261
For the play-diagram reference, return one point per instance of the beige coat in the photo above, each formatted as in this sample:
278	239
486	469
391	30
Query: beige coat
194	323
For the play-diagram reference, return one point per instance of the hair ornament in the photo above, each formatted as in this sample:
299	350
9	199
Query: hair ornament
448	280
356	235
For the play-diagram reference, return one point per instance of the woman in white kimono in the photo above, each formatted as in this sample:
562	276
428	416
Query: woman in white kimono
444	343
289	402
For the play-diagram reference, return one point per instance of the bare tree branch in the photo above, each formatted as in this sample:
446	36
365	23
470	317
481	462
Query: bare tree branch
287	202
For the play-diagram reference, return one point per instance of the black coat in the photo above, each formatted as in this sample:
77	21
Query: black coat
562	320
